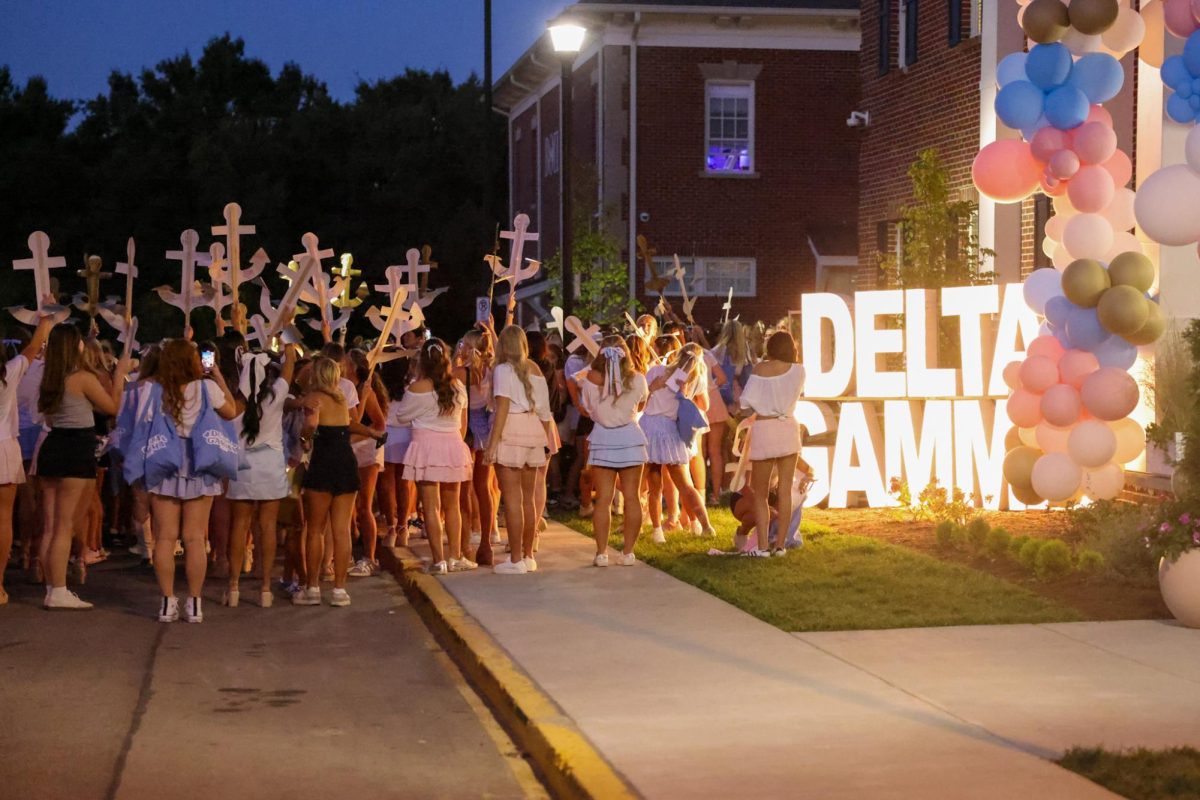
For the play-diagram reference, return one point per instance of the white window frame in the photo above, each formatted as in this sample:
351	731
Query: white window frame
696	270
735	89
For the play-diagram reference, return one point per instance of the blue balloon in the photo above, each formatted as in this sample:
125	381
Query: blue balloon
1185	89
1066	108
1180	110
1191	54
1011	68
1116	352
1019	105
1048	65
1175	71
1057	310
1063	339
1097	75
1084	329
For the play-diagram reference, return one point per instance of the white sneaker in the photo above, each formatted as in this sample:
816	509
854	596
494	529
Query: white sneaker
709	531
586	511
462	565
627	559
476	537
510	568
340	599
193	610
63	599
361	569
697	530
779	551
756	553
309	596
530	564
600	560
657	536
139	549
440	568
168	610
496	537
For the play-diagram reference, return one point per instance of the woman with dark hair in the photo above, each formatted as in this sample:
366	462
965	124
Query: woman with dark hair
66	460
398	496
369	456
771	394
12	472
180	504
539	354
438	458
256	492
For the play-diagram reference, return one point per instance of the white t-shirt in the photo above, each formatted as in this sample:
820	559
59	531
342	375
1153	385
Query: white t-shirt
349	391
776	396
28	389
664	402
393	415
191	402
613	412
270	419
420	409
505	383
14	370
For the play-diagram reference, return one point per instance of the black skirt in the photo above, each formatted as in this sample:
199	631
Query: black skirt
68	453
332	466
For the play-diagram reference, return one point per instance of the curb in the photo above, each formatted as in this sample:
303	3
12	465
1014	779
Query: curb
563	756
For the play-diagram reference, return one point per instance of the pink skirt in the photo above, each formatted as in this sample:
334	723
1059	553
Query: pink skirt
774	438
437	457
11	470
523	442
717	410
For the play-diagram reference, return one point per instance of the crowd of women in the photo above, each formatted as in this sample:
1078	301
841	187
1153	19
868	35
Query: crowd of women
334	454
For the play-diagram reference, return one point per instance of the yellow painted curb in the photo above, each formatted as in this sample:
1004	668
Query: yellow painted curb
564	757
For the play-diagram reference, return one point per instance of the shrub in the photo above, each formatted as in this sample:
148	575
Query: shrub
945	534
1053	559
1089	561
1014	547
1117	532
998	542
1029	553
977	533
958	537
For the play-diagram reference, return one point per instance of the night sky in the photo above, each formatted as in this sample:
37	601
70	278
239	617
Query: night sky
75	44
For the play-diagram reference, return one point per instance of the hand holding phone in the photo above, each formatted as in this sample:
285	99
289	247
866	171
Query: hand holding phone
208	360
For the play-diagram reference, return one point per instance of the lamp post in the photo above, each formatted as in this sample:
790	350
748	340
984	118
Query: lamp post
567	39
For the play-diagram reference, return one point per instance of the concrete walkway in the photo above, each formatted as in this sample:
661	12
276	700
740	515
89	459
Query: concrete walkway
689	697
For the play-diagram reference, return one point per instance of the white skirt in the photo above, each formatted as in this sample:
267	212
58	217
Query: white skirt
617	448
367	454
11	470
265	478
663	445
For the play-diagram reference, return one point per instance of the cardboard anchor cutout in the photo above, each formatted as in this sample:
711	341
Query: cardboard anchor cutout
727	307
268	325
306	264
88	301
121	316
556	323
41	263
409	277
584	337
191	294
688	303
311	284
395	321
515	272
233	230
219	278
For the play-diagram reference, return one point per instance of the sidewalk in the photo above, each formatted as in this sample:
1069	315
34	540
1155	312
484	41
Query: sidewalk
689	697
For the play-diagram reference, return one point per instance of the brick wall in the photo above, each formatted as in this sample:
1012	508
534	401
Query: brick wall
934	103
805	155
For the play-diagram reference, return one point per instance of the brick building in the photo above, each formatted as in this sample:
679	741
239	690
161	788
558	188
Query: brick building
718	130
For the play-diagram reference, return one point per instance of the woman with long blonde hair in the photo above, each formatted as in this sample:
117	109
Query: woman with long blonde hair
477	352
613	393
519	443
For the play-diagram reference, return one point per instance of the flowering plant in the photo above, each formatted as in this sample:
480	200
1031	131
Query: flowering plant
1175	531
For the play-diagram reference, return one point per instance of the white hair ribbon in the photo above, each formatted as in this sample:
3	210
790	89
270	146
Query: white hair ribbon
612	371
254	372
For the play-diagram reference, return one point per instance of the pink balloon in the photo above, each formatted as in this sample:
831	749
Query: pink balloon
1048	141
1046	347
1109	393
1062	258
1092	444
1094	142
1055	226
1056	477
1060	405
1088	236
1177	16
1052	439
1123	242
1121	168
1104	483
1011	375
1075	365
1024	408
1091	189
1006	171
1063	165
1052	186
1038	374
1119	212
1099	114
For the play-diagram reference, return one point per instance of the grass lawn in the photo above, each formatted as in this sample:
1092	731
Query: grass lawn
839	582
1140	774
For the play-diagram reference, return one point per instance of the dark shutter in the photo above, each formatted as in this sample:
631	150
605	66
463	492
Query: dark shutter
1041	215
955	22
885	36
910	32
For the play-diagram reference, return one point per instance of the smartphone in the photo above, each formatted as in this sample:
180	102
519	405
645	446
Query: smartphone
208	360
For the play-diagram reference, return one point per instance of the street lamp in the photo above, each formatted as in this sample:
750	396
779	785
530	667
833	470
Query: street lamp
567	38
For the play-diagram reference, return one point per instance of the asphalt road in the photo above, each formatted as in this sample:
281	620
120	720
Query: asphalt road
354	702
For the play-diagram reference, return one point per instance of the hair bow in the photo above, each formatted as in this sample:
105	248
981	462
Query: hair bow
254	372
612	371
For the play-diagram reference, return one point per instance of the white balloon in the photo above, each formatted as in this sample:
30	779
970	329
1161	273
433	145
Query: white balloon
1063	207
1123	243
1081	43
1092	444
1126	33
1166	205
1103	483
1119	212
1056	477
1089	235
1055	226
1040	286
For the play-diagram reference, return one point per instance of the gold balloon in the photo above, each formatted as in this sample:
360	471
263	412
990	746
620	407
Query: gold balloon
1132	269
1045	21
1156	325
1027	495
1018	468
1123	310
1092	17
1151	50
1012	439
1084	281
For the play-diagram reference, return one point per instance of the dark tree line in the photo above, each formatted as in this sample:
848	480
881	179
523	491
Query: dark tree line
400	166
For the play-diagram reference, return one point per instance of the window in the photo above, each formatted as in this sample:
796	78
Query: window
885	36
908	33
729	135
956	23
711	277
